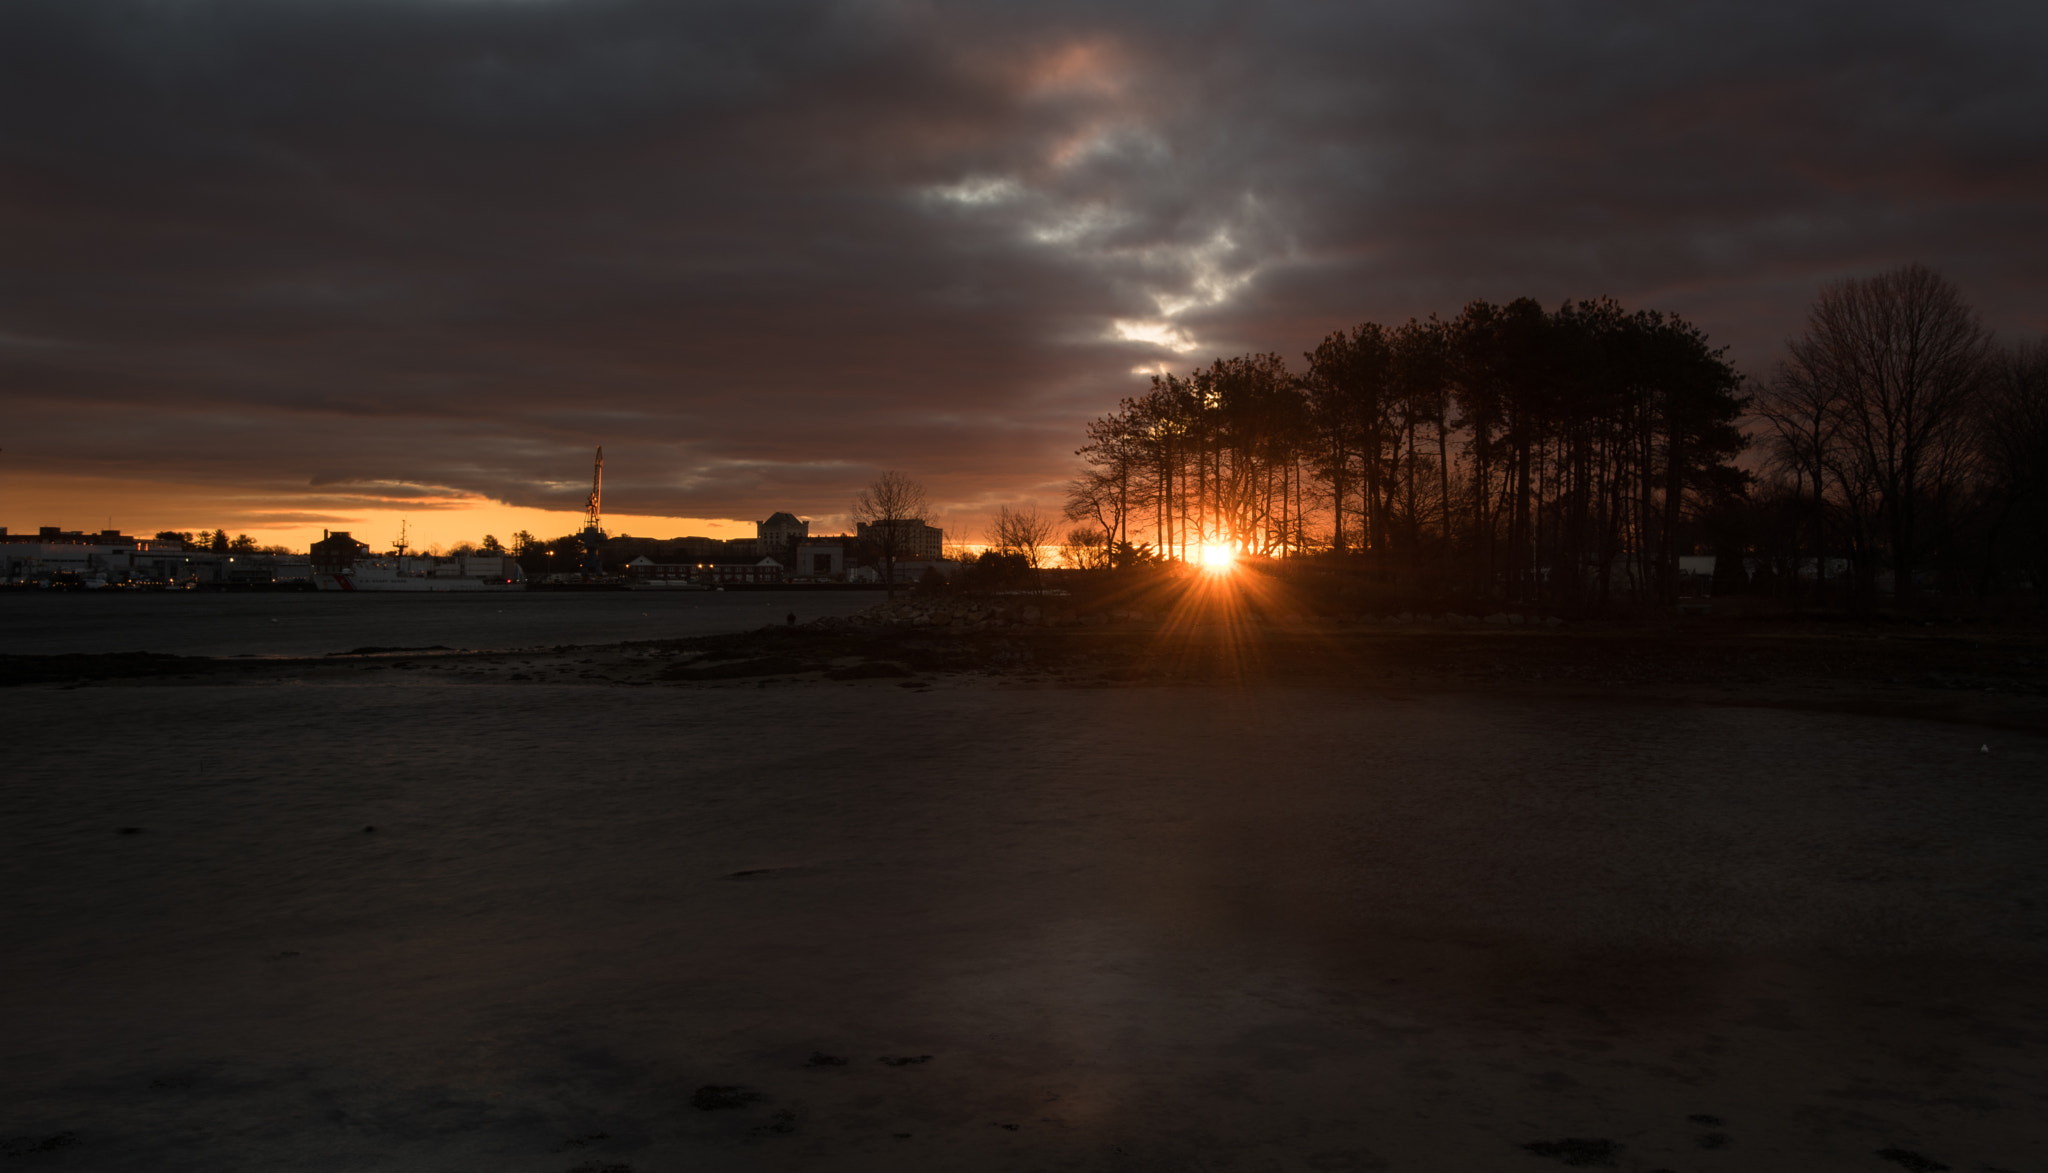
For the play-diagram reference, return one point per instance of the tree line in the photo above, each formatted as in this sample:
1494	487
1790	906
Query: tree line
1568	458
218	542
1510	454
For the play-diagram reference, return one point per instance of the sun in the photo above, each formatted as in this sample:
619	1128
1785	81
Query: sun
1218	559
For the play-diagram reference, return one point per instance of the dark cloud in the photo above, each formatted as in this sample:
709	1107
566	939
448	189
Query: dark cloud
438	248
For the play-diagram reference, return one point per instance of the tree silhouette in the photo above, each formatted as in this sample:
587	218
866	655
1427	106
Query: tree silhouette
889	506
1512	454
1894	364
2013	437
1024	532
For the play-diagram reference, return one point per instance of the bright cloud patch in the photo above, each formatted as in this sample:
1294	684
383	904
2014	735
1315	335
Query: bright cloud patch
1154	333
977	191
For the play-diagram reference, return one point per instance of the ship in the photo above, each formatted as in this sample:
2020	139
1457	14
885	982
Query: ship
341	563
476	572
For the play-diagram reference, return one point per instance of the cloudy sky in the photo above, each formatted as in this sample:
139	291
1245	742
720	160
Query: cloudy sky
280	265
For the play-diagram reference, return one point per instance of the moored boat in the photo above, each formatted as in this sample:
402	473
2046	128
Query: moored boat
464	573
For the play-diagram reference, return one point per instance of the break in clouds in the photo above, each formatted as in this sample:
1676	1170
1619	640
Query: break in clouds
363	252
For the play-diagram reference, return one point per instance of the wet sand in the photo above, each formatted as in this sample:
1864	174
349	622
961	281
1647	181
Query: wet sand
611	916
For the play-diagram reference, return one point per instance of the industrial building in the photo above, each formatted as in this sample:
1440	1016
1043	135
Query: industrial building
782	550
59	557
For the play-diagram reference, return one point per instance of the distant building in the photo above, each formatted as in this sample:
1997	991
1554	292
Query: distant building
780	534
915	540
57	535
335	552
821	560
766	570
109	558
645	569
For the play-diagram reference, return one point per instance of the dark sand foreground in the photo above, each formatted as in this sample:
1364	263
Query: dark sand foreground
1478	901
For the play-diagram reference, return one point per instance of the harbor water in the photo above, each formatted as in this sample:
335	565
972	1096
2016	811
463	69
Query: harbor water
319	623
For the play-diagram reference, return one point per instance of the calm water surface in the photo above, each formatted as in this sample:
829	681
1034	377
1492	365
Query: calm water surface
313	624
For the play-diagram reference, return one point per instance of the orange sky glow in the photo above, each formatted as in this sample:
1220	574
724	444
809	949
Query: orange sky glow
144	508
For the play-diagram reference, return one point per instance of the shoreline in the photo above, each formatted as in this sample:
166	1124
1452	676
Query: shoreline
1996	678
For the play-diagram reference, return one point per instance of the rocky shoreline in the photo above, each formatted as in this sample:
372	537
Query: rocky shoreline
1990	676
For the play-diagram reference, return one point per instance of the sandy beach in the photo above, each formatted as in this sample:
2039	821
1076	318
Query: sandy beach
609	909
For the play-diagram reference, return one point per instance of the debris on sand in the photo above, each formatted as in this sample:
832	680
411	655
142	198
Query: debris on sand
757	666
1911	1160
714	1097
781	1123
22	1146
821	1059
870	670
903	1060
1576	1150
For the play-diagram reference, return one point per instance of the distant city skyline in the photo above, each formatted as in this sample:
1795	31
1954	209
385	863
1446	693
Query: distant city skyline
279	268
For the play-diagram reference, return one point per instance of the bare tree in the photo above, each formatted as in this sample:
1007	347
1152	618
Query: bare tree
1905	358
1025	532
1101	498
1085	549
890	505
1805	417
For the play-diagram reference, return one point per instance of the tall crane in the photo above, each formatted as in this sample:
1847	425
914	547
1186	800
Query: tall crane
593	533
